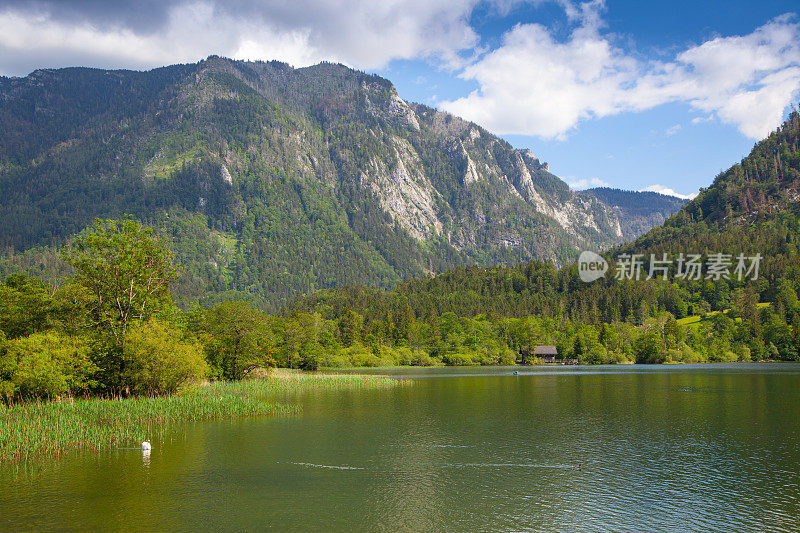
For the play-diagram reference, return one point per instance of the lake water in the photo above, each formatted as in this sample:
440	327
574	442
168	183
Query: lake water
700	448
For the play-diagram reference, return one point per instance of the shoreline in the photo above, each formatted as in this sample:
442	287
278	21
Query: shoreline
333	369
44	429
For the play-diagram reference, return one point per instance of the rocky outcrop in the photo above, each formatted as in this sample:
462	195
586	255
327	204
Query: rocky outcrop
404	191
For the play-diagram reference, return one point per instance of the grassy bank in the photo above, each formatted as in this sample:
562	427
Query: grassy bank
49	428
695	320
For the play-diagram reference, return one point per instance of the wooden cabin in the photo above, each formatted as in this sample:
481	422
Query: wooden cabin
542	354
545	354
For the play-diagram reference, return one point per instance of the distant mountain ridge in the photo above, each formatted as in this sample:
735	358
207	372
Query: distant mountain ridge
751	208
638	211
273	181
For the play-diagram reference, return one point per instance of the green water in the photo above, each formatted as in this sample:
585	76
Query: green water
677	448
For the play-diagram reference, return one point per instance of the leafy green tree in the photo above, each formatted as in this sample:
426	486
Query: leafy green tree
47	364
238	339
647	346
160	359
126	268
349	327
25	306
71	307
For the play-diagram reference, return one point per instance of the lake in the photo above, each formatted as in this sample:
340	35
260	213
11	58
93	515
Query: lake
622	448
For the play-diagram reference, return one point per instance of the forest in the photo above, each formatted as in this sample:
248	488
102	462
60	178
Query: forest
267	180
111	328
104	316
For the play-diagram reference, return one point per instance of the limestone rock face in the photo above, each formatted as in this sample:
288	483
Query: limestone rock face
305	178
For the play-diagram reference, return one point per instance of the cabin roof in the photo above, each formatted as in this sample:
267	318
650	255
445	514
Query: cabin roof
545	350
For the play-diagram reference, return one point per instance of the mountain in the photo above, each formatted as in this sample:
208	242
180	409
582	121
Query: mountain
637	211
750	209
272	181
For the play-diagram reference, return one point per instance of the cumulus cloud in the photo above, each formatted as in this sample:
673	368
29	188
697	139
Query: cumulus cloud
535	84
587	183
361	33
669	192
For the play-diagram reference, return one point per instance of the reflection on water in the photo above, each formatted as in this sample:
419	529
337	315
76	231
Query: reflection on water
604	448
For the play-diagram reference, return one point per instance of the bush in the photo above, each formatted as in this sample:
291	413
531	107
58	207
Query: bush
48	364
688	355
333	359
619	358
743	352
310	357
7	388
361	356
495	355
458	359
158	360
673	355
421	358
237	339
646	348
596	355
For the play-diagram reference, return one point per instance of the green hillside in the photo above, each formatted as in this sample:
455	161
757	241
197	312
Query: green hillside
752	208
273	182
638	212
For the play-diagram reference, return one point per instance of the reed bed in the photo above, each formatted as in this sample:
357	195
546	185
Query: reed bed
285	380
49	428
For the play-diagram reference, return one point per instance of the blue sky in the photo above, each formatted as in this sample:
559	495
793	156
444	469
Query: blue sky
628	94
671	144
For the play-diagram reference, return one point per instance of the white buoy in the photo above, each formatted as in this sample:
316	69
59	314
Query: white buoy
146	446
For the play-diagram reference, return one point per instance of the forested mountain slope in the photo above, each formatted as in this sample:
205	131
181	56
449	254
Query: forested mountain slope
752	208
638	211
273	181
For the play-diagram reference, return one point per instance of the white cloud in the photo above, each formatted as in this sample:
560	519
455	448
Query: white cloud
587	183
534	84
672	130
700	120
669	192
362	33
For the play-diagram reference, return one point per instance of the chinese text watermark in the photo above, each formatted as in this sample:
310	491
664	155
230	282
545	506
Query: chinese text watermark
713	267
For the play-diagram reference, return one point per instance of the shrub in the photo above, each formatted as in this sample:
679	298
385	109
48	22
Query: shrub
7	388
361	356
158	360
673	355
310	357
458	359
423	359
334	359
688	355
238	340
744	353
595	355
46	365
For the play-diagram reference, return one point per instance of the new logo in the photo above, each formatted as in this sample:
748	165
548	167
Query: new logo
591	266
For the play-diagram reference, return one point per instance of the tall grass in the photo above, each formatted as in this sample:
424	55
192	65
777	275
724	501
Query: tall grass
49	428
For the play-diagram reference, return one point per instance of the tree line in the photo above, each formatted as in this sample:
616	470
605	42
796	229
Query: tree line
112	328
